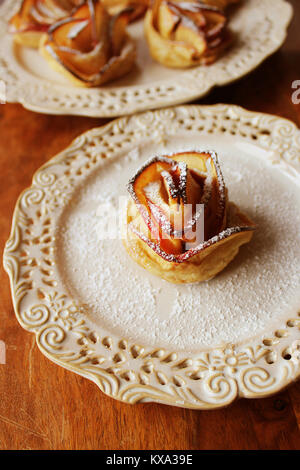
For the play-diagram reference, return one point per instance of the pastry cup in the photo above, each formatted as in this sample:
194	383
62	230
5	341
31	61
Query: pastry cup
210	259
30	39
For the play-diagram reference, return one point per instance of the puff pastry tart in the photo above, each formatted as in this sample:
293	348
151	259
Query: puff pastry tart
171	197
90	47
34	18
138	7
182	34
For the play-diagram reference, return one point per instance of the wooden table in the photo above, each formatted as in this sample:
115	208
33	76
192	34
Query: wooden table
43	406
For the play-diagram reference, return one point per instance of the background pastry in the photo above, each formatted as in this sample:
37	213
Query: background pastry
90	47
184	34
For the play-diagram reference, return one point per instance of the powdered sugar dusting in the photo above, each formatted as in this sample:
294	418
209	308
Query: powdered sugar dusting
253	295
152	190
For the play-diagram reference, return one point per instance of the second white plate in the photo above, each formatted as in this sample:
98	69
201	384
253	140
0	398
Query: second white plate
260	27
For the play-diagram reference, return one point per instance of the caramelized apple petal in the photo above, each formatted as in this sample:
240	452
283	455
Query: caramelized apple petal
170	193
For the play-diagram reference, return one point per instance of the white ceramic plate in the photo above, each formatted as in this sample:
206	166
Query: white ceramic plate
261	29
96	312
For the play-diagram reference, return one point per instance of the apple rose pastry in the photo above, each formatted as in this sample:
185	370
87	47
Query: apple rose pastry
179	223
185	33
138	7
90	47
34	18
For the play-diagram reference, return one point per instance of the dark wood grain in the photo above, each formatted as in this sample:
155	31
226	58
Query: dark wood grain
43	406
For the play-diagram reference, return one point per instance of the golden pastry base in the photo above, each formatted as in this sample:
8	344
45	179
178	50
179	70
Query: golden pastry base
206	264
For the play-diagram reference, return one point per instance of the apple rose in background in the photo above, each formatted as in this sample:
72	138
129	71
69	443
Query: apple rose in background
34	18
186	33
171	197
138	7
90	47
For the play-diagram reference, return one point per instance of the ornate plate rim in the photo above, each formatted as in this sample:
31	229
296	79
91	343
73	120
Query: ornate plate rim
37	95
126	371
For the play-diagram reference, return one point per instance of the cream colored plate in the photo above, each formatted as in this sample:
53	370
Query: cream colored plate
261	29
96	312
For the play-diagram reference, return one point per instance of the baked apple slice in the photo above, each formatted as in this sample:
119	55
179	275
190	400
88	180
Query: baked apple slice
187	33
170	196
168	190
90	47
34	18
